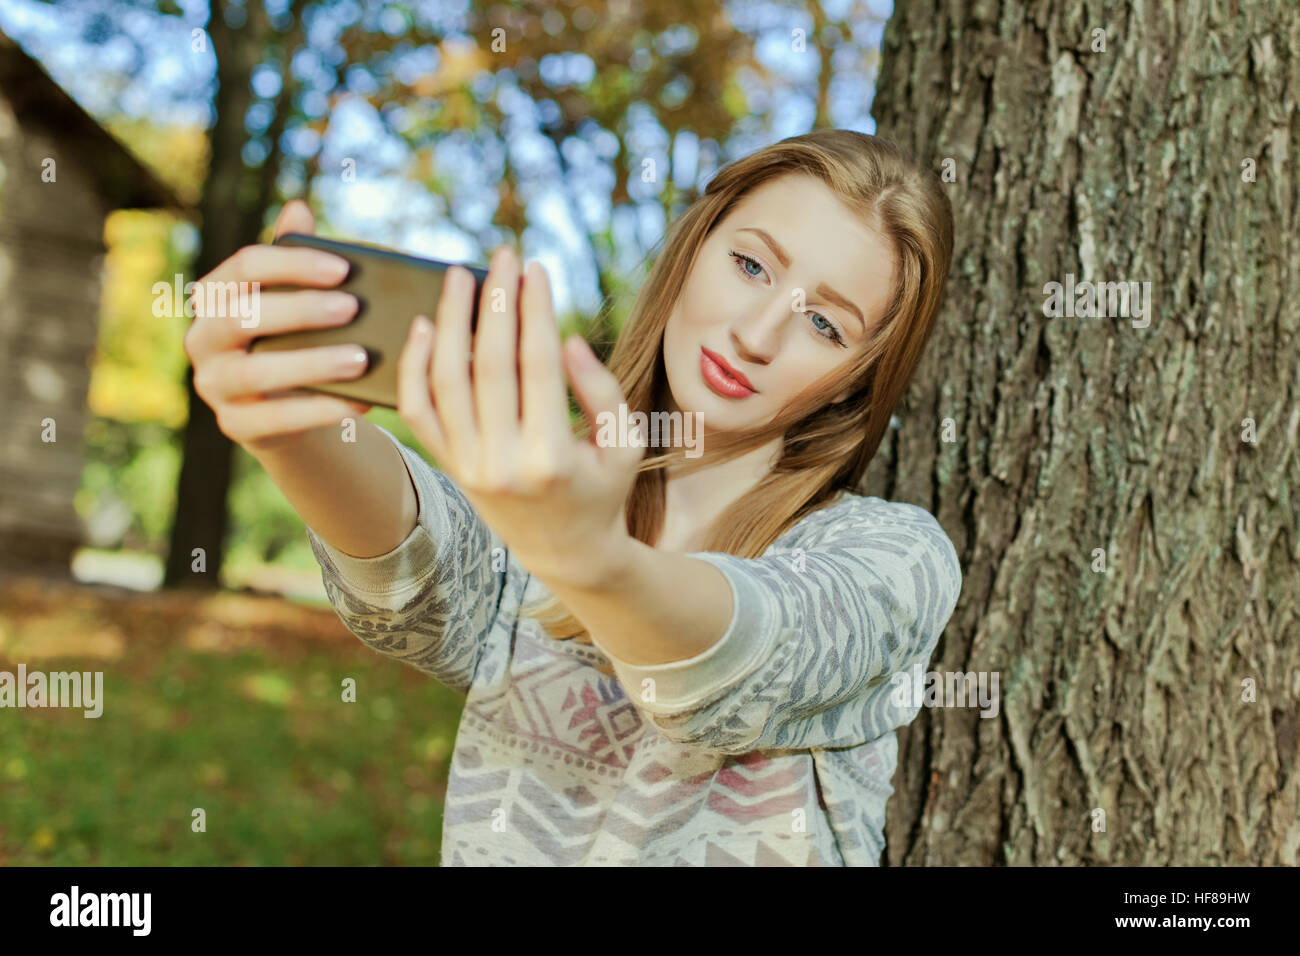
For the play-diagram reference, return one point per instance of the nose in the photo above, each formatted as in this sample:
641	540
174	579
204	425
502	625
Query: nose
757	337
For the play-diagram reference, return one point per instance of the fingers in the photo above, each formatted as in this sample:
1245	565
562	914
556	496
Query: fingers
233	376
280	265
597	390
295	216
545	405
305	309
496	370
250	422
216	327
292	311
451	388
414	394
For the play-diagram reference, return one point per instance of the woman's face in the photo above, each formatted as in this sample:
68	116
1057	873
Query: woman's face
789	235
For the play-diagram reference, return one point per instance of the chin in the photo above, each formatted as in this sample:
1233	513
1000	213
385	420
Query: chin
722	415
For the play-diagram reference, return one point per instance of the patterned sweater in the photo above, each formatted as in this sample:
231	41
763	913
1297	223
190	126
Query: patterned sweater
776	746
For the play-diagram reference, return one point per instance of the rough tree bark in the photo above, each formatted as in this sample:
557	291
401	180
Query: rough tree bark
1125	691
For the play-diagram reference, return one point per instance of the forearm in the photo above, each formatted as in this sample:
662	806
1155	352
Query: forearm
357	496
653	607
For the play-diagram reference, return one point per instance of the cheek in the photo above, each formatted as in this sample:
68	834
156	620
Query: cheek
707	300
675	349
799	374
672	338
687	317
693	313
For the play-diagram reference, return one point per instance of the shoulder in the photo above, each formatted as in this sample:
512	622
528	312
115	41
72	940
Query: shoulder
892	530
851	514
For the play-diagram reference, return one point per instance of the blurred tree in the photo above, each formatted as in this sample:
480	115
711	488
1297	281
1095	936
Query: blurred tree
232	206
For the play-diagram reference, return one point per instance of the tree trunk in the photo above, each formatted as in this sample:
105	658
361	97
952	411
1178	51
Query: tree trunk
233	203
1149	711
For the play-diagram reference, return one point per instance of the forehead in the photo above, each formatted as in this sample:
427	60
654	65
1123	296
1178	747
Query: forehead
804	209
800	199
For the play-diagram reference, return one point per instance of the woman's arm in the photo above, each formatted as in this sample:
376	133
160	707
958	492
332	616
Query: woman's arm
650	607
356	495
406	563
787	657
430	600
789	650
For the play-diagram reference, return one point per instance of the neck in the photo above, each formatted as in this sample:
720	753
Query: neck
693	500
701	495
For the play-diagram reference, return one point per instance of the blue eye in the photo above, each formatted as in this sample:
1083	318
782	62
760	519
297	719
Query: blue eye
826	331
743	262
830	332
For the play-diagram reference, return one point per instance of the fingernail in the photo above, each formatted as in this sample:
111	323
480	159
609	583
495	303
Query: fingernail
357	357
336	268
340	304
585	354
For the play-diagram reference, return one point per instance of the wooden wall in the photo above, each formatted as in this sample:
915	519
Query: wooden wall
51	258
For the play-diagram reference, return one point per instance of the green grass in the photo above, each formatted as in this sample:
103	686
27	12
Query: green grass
241	721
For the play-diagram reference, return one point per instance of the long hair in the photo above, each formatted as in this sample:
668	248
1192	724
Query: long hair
827	445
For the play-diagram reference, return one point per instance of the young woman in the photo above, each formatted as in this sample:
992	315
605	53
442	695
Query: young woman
669	660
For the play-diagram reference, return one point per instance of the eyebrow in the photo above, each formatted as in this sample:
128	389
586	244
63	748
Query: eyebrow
823	290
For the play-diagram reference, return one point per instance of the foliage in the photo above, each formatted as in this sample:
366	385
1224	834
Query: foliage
127	492
139	367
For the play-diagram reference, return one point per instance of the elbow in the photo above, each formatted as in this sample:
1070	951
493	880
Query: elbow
710	731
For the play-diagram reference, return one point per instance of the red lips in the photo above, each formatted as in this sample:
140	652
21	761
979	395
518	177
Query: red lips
722	377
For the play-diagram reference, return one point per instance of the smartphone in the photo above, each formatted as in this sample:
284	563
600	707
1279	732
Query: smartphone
392	288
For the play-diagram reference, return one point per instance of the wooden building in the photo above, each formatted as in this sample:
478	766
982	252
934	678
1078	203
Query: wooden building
60	175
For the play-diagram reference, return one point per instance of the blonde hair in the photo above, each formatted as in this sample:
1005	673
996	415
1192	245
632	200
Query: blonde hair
827	446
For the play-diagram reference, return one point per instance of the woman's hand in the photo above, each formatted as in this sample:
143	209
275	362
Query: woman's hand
237	383
503	434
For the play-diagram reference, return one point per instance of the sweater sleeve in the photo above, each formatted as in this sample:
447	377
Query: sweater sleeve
816	635
429	602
